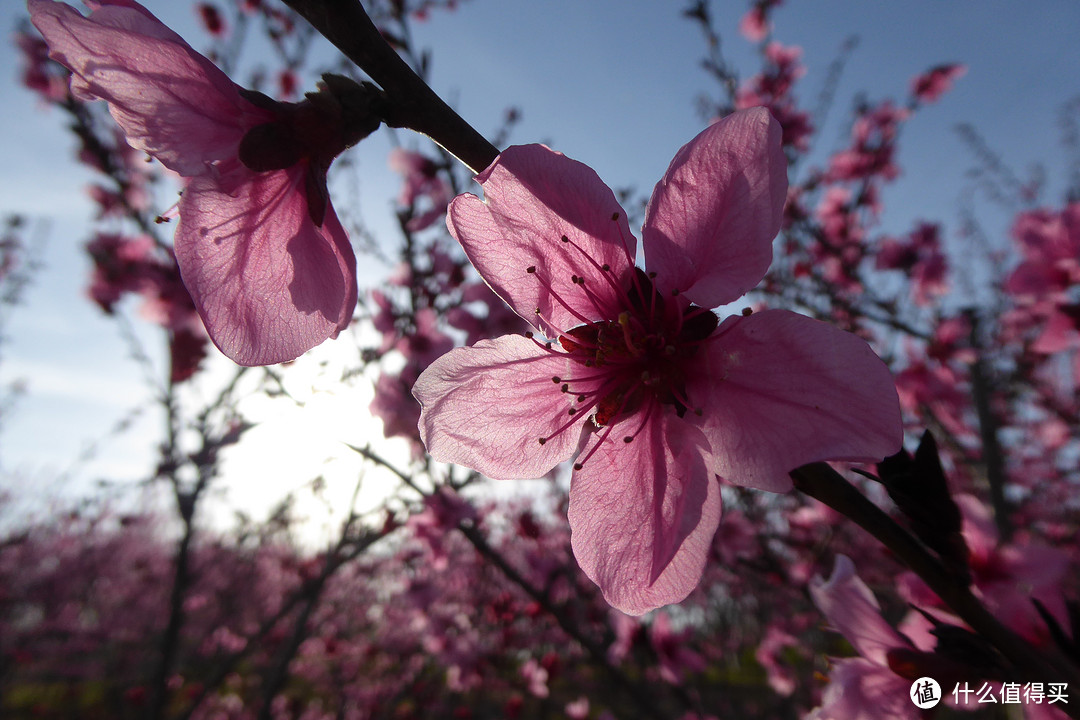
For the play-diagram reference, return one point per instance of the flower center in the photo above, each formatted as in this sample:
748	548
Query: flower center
642	355
633	364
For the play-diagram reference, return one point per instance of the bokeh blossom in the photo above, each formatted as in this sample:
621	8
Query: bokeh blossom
266	261
638	379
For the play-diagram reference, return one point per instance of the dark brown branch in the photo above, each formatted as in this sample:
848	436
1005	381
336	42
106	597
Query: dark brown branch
411	103
992	457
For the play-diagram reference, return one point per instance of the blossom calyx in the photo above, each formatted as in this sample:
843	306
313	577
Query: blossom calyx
317	129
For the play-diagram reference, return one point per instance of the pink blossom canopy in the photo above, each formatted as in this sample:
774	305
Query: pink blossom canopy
639	380
268	280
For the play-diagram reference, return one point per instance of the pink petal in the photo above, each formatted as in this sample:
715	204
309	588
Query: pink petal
854	611
533	196
1059	333
487	406
170	101
643	514
268	283
861	690
780	390
712	218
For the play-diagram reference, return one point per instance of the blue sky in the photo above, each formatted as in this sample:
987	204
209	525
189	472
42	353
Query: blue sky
609	82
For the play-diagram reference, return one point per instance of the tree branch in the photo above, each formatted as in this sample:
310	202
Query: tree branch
411	103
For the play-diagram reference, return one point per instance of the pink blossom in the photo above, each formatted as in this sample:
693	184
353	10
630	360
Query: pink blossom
781	677
38	74
211	18
264	256
920	255
640	381
673	652
1044	283
422	182
578	709
863	687
874	136
755	25
772	89
937	387
536	676
936	81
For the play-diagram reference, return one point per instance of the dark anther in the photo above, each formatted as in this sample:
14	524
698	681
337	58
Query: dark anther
542	440
581	398
572	411
615	216
652	276
537	311
566	387
628	439
674	292
578	466
565	239
556	379
531	269
605	267
747	312
529	334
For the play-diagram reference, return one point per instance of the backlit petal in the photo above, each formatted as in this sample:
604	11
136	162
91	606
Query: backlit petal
534	196
269	284
779	390
643	514
854	612
712	218
170	101
487	406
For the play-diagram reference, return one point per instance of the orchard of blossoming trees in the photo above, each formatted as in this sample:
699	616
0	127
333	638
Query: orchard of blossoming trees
693	554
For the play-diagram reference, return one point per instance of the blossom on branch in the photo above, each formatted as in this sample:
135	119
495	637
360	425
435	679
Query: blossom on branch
260	249
936	81
638	379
